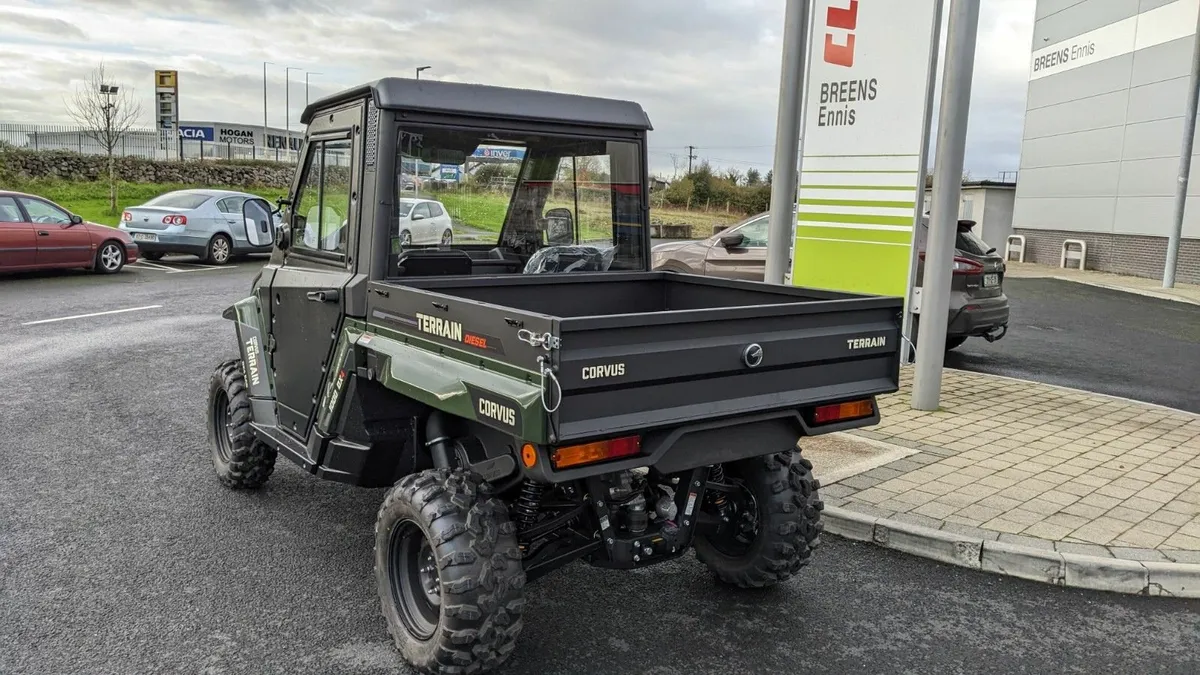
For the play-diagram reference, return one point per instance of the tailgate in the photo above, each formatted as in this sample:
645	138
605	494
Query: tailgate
640	371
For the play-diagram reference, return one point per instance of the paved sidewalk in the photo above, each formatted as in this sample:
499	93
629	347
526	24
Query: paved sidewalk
1189	293
1068	479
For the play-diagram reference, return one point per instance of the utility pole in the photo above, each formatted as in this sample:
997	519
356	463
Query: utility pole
1185	164
691	156
287	97
961	32
784	177
265	108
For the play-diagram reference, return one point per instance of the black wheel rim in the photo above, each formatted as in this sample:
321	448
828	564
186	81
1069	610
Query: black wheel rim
221	425
737	535
416	586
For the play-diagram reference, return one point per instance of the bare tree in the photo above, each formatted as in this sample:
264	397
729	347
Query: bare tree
676	161
107	112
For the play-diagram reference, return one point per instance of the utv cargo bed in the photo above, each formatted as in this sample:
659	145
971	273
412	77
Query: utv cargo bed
635	351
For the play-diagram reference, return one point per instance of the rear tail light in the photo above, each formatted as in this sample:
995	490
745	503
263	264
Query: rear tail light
841	412
127	216
590	453
961	265
174	220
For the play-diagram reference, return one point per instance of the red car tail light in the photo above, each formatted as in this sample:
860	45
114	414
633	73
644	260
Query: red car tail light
127	216
961	265
174	220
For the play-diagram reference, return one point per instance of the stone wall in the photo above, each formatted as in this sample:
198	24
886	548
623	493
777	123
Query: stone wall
20	164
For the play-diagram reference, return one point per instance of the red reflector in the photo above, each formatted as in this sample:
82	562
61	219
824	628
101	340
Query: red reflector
590	453
843	411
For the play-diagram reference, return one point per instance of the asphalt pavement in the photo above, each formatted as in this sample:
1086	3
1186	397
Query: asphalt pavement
121	553
1095	339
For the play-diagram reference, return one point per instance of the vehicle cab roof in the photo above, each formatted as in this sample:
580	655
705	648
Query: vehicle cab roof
478	100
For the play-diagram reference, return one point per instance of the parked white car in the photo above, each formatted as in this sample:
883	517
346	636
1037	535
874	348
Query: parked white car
424	222
205	223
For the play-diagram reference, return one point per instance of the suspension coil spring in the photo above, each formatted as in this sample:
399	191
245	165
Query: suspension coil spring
717	475
526	506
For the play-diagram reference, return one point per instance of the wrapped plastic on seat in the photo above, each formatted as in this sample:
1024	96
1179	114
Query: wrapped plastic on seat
559	259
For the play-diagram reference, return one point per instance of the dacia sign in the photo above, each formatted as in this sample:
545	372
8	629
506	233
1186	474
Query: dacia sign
196	133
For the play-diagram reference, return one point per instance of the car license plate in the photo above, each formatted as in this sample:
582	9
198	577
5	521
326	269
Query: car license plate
142	236
991	280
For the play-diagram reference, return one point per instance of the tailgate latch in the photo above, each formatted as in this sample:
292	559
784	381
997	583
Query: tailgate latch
545	340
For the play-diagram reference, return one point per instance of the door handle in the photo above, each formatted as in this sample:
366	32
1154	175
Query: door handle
330	295
43	233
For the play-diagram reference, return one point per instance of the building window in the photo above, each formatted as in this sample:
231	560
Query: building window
967	212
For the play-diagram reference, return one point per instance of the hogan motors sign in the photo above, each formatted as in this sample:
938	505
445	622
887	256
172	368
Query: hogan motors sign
235	136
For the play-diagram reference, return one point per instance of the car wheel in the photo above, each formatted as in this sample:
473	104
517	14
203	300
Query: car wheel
220	250
110	258
447	237
405	239
242	462
152	255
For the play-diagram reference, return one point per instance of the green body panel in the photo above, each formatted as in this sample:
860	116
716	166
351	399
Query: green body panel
342	367
248	320
442	378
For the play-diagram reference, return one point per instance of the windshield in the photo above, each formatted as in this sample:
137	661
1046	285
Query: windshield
521	193
971	243
179	200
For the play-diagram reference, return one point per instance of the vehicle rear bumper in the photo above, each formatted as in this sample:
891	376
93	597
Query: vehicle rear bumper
174	243
980	317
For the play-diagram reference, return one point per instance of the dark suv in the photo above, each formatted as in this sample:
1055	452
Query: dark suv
978	305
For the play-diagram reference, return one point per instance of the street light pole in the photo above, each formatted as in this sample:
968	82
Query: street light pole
306	74
287	97
787	140
961	32
264	141
1185	165
420	68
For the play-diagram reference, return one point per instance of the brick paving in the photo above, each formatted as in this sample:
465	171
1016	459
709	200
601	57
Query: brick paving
1038	465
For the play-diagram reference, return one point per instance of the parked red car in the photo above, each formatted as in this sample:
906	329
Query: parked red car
36	233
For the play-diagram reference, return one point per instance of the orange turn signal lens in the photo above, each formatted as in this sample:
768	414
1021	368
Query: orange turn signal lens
590	453
528	456
843	411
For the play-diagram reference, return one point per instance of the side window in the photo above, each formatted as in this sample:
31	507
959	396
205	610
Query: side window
435	210
231	205
41	212
755	233
421	211
322	212
9	213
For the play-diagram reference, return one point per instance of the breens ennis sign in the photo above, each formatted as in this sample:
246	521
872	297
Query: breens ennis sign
1157	26
863	142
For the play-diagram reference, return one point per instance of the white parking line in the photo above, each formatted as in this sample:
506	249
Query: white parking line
167	268
153	265
85	316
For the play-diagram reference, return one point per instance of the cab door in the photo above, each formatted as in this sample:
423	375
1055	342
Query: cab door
18	243
60	243
308	291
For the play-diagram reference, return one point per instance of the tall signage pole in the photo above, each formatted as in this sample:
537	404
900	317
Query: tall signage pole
1185	164
787	139
947	185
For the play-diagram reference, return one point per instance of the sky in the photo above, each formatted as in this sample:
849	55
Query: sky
706	71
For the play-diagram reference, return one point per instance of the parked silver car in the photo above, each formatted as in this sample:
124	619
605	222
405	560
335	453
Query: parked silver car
205	223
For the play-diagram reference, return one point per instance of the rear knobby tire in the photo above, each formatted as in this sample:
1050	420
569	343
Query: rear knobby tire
472	623
241	461
788	522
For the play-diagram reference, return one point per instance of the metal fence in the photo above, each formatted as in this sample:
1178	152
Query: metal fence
148	143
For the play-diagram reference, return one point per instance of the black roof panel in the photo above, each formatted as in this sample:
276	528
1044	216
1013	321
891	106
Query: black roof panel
478	100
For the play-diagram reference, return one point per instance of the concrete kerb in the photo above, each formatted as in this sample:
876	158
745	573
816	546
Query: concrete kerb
1036	564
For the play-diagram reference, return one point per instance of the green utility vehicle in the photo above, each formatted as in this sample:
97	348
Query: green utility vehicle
529	390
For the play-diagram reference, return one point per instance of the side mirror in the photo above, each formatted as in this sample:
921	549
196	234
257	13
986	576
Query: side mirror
76	219
256	215
417	216
560	227
734	240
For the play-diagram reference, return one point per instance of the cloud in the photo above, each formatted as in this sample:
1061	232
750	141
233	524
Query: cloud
707	71
43	25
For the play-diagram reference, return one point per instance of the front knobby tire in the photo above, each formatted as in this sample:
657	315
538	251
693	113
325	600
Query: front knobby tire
449	573
241	461
777	524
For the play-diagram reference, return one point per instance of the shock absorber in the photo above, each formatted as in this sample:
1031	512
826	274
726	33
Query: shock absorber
716	474
526	506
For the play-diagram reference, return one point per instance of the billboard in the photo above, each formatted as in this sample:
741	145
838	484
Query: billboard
193	133
864	144
498	153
